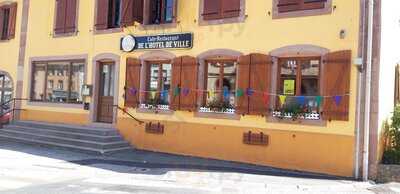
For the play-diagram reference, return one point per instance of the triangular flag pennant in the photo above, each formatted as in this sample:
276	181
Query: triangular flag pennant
177	91
266	98
211	94
164	94
318	99
239	92
133	91
153	95
226	92
337	99
282	99
185	91
301	100
249	92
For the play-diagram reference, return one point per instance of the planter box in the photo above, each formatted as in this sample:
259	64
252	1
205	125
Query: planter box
388	173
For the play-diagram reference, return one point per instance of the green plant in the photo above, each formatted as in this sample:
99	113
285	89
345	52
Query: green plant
391	153
219	105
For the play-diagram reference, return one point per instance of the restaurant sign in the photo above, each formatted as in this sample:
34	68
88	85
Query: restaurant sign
130	43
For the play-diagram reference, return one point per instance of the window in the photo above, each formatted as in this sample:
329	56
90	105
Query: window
161	11
8	14
65	21
293	8
220	9
6	90
116	13
159	83
68	77
220	84
299	77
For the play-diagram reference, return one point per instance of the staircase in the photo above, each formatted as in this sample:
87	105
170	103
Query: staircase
78	138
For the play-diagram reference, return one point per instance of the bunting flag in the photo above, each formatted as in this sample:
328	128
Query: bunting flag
177	91
249	92
211	94
164	94
185	91
319	100
266	98
153	95
337	99
282	99
239	92
301	100
226	92
133	91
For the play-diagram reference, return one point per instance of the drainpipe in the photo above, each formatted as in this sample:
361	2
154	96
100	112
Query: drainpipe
368	89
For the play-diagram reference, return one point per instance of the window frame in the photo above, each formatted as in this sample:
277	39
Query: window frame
107	30
65	34
147	15
160	64
300	13
221	77
239	19
45	87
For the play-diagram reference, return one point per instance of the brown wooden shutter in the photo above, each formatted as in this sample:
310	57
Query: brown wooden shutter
212	9
242	102
175	83
260	81
313	4
12	20
102	15
230	8
127	12
1	22
60	17
132	83
138	7
70	20
189	71
289	5
336	81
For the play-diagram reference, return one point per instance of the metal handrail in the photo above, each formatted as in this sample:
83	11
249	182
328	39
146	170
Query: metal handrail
129	114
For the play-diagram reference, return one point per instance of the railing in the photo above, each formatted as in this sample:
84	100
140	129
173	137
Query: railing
9	107
129	114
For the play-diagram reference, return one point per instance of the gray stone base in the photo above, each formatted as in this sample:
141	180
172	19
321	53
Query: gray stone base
388	173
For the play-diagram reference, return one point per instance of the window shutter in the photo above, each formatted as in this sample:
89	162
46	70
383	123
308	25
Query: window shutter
12	20
61	15
138	7
127	12
175	83
260	81
289	5
230	8
313	4
336	81
188	81
132	83
211	9
1	21
102	15
70	20
242	102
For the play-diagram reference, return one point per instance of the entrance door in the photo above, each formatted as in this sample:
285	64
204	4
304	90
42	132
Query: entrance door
106	93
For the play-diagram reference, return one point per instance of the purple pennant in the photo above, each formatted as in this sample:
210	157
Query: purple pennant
133	91
185	91
249	92
337	99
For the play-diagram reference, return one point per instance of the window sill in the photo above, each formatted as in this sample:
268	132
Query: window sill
310	120
207	113
50	104
157	26
6	40
64	35
108	31
303	13
160	109
205	22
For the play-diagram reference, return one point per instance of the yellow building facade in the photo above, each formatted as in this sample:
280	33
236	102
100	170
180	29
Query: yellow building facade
319	145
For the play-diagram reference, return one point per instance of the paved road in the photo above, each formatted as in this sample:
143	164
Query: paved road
35	170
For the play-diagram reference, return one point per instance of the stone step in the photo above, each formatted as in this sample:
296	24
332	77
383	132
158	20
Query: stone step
63	140
70	128
65	134
63	146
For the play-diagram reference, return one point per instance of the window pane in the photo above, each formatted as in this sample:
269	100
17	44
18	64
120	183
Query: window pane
154	75
77	81
169	11
213	76
107	80
6	19
58	73
166	85
39	75
310	77
229	81
288	77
